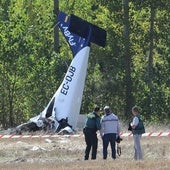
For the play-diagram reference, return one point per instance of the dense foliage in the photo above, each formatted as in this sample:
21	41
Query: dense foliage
133	69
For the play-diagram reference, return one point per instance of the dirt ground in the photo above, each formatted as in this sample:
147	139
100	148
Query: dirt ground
67	153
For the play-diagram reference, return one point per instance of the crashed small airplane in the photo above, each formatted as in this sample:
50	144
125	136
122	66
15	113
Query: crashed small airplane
61	113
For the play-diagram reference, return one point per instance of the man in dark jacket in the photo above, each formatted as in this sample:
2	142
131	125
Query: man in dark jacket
92	124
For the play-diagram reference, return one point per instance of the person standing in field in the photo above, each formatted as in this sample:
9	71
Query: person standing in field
138	129
92	125
110	130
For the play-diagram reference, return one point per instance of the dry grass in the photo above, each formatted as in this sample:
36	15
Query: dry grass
65	153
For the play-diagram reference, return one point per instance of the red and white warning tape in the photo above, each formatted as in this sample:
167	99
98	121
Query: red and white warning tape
150	134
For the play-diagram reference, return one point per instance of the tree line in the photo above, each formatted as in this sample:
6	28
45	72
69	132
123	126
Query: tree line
133	68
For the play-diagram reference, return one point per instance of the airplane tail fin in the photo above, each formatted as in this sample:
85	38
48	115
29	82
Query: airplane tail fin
81	27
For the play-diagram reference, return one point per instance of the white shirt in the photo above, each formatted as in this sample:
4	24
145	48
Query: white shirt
135	121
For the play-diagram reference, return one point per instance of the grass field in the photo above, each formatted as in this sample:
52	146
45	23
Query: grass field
67	153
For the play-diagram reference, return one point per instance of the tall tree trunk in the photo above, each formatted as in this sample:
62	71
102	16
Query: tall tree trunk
2	102
127	57
150	57
11	102
56	30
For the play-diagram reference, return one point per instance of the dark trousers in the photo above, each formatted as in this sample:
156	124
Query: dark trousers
109	138
91	143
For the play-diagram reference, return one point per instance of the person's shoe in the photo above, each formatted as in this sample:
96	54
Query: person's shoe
85	158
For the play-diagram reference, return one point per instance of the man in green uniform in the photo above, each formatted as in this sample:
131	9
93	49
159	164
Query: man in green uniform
92	124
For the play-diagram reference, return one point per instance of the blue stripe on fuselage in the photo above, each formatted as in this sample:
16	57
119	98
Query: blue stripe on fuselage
75	42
